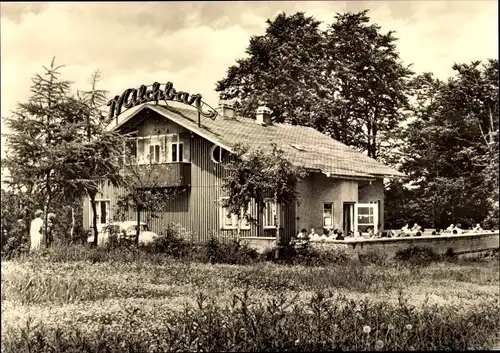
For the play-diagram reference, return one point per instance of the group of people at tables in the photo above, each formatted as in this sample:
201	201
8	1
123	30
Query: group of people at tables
337	234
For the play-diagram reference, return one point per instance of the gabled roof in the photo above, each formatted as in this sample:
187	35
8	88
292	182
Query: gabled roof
303	146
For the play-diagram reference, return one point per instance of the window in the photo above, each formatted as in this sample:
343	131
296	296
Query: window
154	153
269	214
328	215
230	221
367	217
218	154
177	152
103	216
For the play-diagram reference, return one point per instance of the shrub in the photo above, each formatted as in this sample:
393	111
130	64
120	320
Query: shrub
417	255
169	242
232	252
373	257
16	242
306	255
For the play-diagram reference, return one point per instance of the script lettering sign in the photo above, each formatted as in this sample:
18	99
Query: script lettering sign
132	97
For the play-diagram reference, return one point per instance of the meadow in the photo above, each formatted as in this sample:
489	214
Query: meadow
74	300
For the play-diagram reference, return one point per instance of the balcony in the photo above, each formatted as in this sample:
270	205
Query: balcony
161	175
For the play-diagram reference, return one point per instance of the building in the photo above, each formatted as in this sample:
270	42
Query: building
344	188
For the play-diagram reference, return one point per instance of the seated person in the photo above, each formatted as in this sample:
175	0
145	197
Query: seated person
313	236
350	233
340	236
457	229
325	236
384	234
301	239
477	228
450	228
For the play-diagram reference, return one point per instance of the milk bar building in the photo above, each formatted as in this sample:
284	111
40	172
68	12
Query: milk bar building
343	189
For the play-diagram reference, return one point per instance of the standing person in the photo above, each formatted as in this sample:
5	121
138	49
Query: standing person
36	231
51	217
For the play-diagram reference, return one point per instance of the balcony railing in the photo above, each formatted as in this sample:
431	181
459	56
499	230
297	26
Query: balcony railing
160	175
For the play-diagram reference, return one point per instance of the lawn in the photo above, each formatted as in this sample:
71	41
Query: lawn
154	306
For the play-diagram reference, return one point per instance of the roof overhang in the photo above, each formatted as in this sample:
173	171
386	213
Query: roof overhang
121	120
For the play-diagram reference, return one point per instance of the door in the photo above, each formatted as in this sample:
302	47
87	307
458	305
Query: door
348	217
366	217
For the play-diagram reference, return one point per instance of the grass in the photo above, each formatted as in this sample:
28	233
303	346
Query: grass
90	300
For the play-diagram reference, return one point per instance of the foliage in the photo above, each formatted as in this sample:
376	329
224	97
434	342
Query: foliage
417	255
170	243
257	175
145	191
58	150
276	324
450	151
232	252
347	82
40	139
308	256
374	257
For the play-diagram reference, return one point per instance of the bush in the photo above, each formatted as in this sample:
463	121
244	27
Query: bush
416	255
170	243
233	252
16	242
306	255
373	257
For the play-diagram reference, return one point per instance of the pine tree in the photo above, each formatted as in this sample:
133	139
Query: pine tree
34	144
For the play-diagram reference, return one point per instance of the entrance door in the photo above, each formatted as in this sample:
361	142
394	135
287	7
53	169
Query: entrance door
366	217
348	218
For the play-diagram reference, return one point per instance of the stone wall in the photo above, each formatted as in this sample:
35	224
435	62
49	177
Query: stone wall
463	245
471	244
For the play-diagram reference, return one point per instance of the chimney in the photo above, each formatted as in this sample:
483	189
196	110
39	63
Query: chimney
264	116
226	109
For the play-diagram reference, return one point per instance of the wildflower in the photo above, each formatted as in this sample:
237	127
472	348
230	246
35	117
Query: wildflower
390	327
367	329
379	344
408	326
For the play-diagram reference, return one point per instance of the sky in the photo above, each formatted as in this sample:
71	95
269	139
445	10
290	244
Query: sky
192	44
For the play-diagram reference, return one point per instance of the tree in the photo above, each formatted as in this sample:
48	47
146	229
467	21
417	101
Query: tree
451	149
145	191
283	71
96	155
257	175
40	133
368	82
347	82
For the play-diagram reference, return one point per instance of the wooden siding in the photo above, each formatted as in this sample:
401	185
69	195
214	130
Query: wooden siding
162	175
195	208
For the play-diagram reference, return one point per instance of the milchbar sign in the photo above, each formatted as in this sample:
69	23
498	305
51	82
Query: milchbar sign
133	97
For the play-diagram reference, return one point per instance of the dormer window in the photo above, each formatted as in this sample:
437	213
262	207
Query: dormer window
298	147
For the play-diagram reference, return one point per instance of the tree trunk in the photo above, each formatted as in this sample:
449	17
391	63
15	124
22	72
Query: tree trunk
94	217
138	230
374	141
46	208
72	230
